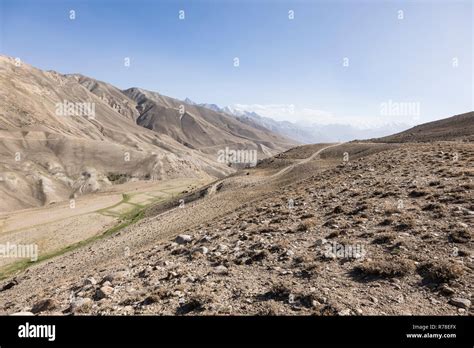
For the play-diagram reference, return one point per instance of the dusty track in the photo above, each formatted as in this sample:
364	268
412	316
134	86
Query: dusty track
303	161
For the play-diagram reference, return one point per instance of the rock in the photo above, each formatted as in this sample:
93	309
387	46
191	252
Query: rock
446	290
128	309
329	255
321	241
9	285
120	275
81	304
90	281
87	287
104	292
22	314
183	239
221	270
150	300
202	250
145	273
460	302
344	312
222	248
374	299
107	278
171	275
44	305
205	239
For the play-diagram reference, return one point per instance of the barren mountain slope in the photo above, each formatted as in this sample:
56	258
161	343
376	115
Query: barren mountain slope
268	241
202	128
111	95
452	128
46	157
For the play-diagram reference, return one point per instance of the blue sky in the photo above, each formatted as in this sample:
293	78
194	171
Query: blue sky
289	68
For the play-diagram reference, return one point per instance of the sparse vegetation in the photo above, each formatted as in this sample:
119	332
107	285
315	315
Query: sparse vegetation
385	268
384	238
118	178
440	271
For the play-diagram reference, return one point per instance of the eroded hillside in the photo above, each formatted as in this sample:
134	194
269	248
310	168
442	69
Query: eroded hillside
62	136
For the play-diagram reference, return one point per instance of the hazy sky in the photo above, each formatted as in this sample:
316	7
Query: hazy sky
397	52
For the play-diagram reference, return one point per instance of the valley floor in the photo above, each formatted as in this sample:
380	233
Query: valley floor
59	226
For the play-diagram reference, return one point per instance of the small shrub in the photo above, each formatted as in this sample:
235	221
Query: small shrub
385	268
383	239
440	271
195	303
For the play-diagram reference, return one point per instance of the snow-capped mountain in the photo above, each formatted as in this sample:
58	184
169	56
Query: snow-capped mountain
305	132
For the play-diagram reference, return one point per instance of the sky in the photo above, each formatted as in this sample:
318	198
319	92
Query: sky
364	63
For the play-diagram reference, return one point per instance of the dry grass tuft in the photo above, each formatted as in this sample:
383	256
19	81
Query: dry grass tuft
383	238
385	268
440	271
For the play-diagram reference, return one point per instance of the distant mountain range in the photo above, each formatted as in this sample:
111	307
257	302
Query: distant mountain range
306	133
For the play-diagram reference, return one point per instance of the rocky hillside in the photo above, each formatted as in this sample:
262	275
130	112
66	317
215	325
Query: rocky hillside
459	127
384	230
